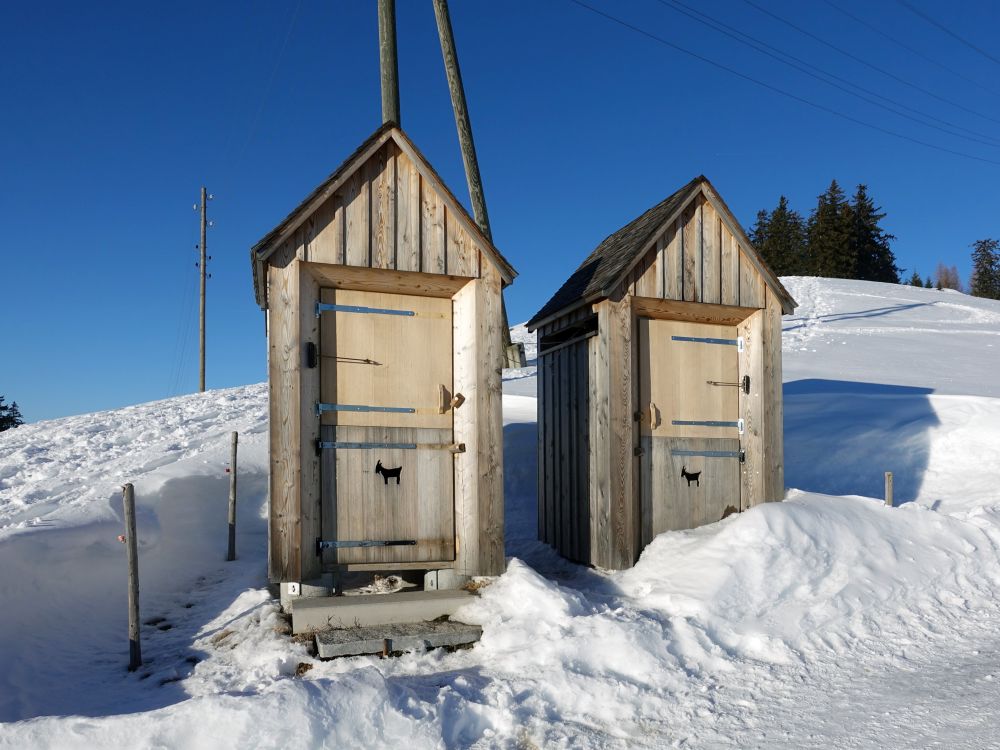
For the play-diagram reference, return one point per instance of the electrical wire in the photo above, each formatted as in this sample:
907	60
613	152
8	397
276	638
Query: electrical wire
946	30
770	87
879	100
864	62
913	50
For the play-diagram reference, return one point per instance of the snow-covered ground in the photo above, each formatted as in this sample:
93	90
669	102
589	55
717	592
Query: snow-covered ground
828	620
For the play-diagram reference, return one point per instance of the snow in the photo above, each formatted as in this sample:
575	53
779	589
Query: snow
826	620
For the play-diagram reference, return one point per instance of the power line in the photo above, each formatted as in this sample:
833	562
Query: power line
914	50
864	62
948	31
765	49
795	97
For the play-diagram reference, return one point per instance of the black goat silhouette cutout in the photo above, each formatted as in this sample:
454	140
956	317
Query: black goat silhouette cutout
387	474
691	477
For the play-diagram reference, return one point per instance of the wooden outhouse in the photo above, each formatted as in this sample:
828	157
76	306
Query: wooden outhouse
659	383
383	306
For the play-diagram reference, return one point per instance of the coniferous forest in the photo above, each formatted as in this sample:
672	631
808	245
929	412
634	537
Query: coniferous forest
843	238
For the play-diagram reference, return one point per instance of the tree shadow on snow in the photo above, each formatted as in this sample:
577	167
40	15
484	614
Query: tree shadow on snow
841	437
875	312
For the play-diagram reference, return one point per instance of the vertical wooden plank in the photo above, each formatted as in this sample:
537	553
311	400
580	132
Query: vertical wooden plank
407	214
711	255
565	440
647	282
691	279
673	268
461	250
542	427
730	268
479	424
617	480
382	172
661	261
600	442
552	428
322	237
357	235
309	384
432	230
751	359
284	530
751	284
773	408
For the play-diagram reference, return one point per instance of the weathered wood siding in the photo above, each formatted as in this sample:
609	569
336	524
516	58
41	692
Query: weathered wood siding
386	215
698	258
564	448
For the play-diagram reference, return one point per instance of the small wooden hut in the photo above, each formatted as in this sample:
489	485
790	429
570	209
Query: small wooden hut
659	383
383	306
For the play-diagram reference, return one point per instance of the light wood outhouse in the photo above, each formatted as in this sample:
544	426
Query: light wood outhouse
659	383
383	307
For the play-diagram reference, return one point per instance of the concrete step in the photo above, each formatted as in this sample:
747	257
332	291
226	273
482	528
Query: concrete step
323	613
378	639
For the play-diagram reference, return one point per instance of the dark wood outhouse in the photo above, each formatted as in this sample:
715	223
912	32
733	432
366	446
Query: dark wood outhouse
384	324
659	383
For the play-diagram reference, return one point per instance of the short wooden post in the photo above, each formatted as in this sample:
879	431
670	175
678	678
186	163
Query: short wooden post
888	488
231	555
131	545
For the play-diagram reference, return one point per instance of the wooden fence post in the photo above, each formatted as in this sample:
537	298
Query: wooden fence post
231	555
888	488
131	545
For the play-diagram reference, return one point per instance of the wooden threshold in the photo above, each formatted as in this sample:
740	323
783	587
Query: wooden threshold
691	312
378	566
385	280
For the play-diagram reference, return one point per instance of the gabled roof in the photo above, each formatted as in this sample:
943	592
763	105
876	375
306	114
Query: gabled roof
268	244
606	267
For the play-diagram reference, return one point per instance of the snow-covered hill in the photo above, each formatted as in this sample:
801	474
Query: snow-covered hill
827	620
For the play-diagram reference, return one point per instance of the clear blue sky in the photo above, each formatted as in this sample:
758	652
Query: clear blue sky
115	114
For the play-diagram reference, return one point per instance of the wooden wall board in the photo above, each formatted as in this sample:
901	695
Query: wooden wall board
432	231
751	284
309	391
673	269
773	409
711	255
381	171
462	254
357	234
407	214
466	423
730	258
752	411
393	361
284	530
691	253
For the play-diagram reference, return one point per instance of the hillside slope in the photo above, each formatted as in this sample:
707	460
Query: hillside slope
826	620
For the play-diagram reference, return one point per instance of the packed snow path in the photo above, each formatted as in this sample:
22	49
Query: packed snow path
828	620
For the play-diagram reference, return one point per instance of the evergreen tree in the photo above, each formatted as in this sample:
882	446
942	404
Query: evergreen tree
928	284
985	281
829	234
869	244
915	280
783	240
10	416
758	232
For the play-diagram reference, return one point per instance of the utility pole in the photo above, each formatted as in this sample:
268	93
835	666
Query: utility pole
388	63
514	354
203	268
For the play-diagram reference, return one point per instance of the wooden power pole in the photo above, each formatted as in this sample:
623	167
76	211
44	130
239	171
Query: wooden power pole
202	267
513	354
388	63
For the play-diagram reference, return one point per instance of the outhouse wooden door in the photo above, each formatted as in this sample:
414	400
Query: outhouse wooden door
689	383
386	427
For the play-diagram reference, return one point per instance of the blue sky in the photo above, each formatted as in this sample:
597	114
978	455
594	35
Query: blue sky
117	113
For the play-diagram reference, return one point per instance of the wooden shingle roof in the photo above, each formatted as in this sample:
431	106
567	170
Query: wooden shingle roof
603	270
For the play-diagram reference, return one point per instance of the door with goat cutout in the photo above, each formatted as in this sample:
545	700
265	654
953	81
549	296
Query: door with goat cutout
387	468
689	384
